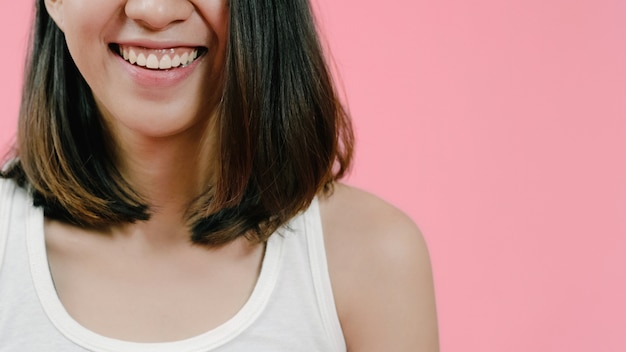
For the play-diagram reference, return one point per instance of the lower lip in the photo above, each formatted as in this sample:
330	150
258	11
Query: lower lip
157	78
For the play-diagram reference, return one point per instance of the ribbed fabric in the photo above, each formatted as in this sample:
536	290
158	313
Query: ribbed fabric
291	308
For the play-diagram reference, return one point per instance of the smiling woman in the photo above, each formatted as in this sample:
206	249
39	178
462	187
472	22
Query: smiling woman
175	188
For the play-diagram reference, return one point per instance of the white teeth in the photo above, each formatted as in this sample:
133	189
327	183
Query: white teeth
152	61
132	57
183	59
165	62
141	60
176	61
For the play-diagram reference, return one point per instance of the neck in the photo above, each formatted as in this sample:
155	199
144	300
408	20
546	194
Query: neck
168	172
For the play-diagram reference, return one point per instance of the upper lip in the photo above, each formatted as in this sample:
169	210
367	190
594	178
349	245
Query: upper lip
153	44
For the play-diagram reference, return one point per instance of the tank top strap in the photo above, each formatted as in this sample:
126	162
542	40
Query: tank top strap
321	277
7	193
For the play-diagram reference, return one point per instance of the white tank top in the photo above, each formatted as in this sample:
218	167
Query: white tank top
291	308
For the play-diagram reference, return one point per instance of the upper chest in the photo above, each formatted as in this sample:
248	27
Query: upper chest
120	290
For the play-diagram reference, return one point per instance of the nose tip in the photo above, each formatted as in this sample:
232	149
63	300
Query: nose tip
158	14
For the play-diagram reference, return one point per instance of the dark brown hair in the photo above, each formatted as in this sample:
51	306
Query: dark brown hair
282	134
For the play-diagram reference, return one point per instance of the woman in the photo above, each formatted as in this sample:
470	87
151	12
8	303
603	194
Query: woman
174	188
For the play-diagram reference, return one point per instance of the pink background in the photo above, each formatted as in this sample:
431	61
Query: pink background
500	127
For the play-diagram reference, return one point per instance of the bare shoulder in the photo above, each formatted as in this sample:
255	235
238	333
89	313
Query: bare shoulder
380	272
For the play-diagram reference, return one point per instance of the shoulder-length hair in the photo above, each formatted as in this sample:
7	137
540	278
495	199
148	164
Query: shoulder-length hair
282	135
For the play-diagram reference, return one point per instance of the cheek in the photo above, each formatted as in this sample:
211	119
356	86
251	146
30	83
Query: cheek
84	21
83	35
217	15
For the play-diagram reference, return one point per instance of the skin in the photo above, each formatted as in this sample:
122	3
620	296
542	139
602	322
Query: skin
378	259
115	282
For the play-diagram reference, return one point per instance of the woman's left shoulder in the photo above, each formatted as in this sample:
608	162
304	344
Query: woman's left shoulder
380	273
357	223
348	211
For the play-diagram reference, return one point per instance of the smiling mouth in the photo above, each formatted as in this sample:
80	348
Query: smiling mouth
158	59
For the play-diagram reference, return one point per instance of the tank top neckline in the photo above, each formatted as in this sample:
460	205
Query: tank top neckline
93	341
